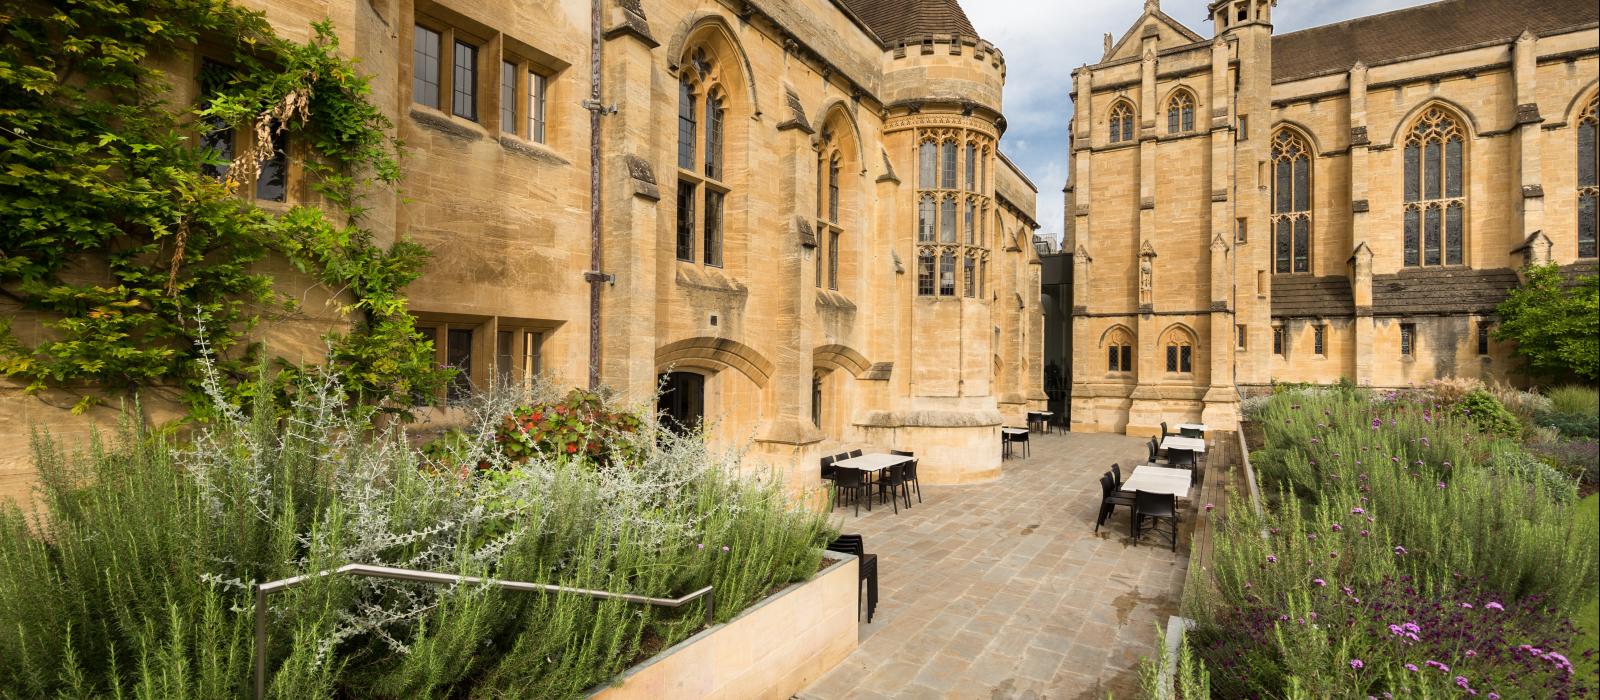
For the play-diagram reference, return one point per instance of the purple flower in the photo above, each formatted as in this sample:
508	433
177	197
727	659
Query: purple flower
1366	533
702	545
1396	460
1209	507
1461	681
1411	667
1467	605
724	548
1494	696
1271	559
1470	653
1399	550
1337	527
1358	510
1356	664
1312	536
1492	605
1319	582
1441	484
1377	423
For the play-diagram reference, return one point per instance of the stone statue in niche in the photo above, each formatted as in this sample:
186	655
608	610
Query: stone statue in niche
1145	288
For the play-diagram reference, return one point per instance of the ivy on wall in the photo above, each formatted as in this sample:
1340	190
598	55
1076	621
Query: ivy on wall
112	232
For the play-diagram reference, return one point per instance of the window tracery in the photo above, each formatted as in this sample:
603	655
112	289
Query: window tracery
1588	168
1291	203
952	210
1121	119
702	191
1435	200
1180	112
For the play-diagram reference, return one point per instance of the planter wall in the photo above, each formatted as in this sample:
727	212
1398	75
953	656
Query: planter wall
772	650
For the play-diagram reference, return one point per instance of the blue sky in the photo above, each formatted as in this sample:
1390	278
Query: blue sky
1044	40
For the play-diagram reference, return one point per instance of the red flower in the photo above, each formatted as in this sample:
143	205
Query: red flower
572	447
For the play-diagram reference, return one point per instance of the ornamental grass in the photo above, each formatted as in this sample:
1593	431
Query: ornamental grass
136	579
1402	557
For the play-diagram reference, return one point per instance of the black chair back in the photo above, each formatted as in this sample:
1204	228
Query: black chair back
902	453
1155	450
1116	475
1107	487
846	477
855	453
1161	505
1164	432
828	470
848	544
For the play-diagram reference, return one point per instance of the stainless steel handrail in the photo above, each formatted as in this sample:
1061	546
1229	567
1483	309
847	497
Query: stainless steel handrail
270	587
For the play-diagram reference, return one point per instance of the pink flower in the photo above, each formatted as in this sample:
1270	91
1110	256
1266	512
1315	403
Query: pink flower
1441	484
724	548
1411	667
1470	653
1356	664
1467	605
702	545
1337	527
1358	510
1320	583
1492	605
1312	536
1399	550
1271	559
1366	533
1209	507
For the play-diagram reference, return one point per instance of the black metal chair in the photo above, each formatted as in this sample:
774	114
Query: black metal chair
853	454
867	569
892	481
1035	422
1109	500
1192	433
1164	432
1021	438
1158	508
909	473
830	474
1116	475
853	482
1185	459
1155	452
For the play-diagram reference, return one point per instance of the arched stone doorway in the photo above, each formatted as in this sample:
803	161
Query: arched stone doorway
682	404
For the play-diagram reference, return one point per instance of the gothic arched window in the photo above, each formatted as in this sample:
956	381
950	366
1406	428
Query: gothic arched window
1179	344
1119	350
1180	112
1291	203
1435	199
701	171
1588	167
1121	122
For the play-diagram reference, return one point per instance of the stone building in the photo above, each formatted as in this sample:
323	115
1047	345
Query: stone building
1347	201
804	230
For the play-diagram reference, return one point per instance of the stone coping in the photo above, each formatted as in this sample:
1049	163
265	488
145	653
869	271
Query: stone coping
732	659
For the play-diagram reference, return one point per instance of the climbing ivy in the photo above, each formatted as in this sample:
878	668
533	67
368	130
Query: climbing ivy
137	262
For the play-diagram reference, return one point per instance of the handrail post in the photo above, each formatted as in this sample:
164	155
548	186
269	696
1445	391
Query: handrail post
261	644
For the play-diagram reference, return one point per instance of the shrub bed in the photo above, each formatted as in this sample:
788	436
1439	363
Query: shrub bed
1395	517
137	580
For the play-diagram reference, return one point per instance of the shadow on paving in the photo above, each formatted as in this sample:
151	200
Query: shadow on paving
1003	590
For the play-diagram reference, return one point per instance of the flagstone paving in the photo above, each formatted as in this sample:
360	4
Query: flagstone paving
1003	590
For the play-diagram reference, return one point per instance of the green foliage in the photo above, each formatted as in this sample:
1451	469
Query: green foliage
110	231
136	582
1488	414
1576	400
1556	327
580	424
1404	507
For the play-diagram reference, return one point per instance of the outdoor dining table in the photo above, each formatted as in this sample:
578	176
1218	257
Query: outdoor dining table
1014	431
1163	480
873	462
1174	442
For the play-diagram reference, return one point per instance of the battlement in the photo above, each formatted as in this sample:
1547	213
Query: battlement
944	68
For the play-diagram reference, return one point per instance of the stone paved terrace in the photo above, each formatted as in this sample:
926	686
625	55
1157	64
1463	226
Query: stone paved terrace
1002	589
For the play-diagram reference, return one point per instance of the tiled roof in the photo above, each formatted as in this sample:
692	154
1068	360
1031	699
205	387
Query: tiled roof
1441	290
893	20
1572	274
1420	30
1302	295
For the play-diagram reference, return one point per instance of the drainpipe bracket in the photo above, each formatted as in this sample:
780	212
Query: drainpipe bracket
595	106
592	277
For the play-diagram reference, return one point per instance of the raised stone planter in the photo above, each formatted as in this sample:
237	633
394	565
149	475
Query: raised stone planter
772	650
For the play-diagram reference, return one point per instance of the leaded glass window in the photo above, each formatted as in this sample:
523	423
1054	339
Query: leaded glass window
925	273
713	242
1435	201
925	219
1121	122
833	190
508	97
425	66
928	166
536	120
969	272
685	237
947	220
1588	167
947	274
713	138
947	170
464	82
972	167
1180	112
686	125
1291	203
